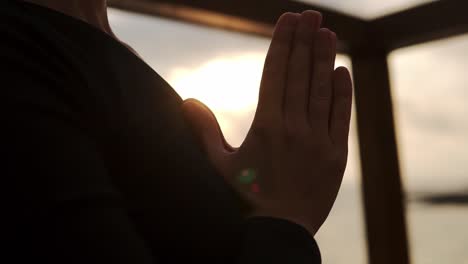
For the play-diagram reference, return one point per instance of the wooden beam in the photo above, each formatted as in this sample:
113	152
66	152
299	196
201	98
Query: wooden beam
247	16
429	22
382	189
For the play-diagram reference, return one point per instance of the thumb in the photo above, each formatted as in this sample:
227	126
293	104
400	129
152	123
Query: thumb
207	129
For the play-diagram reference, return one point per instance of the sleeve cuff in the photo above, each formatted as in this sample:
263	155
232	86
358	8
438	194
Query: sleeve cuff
275	240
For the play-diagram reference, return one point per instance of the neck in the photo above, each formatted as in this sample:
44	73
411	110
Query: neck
93	12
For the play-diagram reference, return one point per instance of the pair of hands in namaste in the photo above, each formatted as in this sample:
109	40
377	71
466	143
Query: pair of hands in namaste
297	145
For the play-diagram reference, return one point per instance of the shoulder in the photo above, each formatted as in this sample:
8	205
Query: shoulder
35	59
23	31
27	37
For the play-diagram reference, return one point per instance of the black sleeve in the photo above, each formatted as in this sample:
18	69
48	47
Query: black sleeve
71	214
68	211
59	202
273	240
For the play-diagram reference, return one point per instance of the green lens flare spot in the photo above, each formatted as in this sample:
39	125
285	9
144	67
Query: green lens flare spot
247	176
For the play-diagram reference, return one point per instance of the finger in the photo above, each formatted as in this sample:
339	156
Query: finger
341	108
206	129
299	69
275	70
321	84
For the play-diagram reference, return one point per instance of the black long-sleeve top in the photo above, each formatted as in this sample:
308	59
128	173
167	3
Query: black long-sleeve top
99	166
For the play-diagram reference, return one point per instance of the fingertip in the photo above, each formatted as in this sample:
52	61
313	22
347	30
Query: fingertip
200	103
190	101
342	82
344	72
196	109
287	20
285	27
187	104
314	16
327	33
206	127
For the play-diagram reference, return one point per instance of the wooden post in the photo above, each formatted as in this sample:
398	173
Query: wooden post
382	189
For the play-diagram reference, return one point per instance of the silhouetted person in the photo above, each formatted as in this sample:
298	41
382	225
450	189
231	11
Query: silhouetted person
104	163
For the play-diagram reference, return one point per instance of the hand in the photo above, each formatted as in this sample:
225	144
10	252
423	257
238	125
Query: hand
292	161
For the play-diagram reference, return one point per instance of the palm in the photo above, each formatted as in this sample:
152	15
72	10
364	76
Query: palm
297	144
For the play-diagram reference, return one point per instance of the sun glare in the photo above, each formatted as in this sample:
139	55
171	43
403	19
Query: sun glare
229	87
223	84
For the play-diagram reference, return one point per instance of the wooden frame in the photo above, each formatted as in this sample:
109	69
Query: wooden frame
254	17
368	43
436	20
